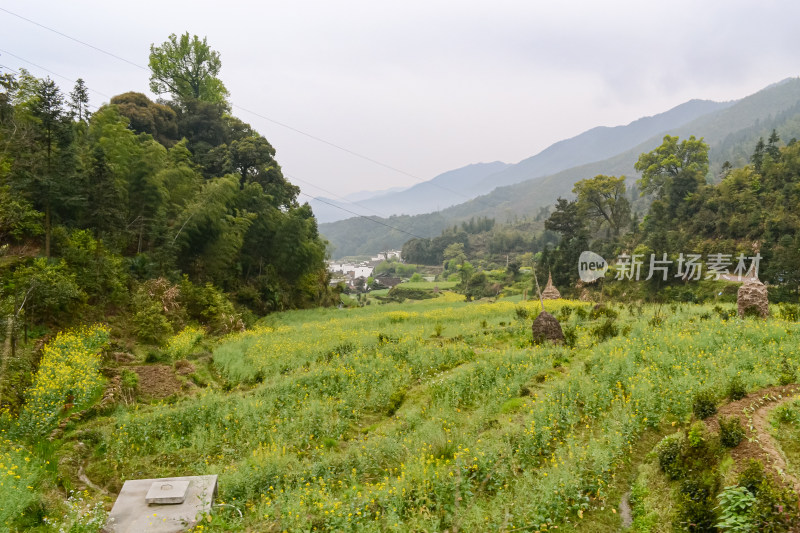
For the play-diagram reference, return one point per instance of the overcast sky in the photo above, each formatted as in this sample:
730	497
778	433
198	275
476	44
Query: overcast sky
423	86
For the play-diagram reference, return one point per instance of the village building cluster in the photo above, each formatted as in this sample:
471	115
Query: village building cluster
350	272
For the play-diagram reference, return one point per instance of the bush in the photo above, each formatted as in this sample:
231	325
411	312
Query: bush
775	508
704	404
752	476
606	329
209	306
669	452
735	510
570	336
522	312
736	388
697	502
602	310
150	325
731	432
790	312
788	373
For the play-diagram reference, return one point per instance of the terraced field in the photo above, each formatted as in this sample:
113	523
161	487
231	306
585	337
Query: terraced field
441	415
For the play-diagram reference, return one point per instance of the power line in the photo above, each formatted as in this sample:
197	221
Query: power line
48	71
254	113
345	200
73	39
363	216
288	176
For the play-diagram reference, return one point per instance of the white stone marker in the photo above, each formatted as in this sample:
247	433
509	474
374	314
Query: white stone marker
167	505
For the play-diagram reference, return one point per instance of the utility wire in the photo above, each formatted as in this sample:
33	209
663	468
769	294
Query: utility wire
254	113
48	71
73	38
363	216
288	176
102	94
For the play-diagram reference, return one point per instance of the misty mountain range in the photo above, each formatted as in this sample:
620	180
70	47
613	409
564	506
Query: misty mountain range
501	190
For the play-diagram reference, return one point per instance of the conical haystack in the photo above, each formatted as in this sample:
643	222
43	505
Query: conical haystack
753	295
550	292
546	327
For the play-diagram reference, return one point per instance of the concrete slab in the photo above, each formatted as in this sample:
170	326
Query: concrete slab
133	514
167	492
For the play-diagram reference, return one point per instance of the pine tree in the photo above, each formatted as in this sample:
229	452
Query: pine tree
79	101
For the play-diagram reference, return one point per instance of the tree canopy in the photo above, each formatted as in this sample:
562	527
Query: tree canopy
140	194
187	68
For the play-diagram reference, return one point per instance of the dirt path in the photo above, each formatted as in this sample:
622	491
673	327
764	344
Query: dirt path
625	512
754	412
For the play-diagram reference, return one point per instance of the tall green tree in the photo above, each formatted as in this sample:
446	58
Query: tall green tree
568	220
44	168
674	169
187	68
79	101
602	199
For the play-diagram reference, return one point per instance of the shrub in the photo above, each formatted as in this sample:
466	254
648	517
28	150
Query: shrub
522	312
736	388
788	373
752	476
731	432
704	404
150	325
735	510
209	306
668	452
602	310
606	329
570	336
697	502
775	508
790	312
696	435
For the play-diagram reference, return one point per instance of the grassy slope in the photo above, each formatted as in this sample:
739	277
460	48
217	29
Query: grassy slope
365	419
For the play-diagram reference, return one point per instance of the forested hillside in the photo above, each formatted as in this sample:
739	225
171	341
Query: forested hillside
730	132
142	208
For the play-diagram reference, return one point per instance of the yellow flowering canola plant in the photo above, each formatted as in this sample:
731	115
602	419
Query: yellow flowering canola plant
19	478
68	379
180	345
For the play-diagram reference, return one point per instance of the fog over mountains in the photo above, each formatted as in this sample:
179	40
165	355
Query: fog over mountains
501	190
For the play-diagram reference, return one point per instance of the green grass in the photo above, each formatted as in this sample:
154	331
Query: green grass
441	285
786	430
436	414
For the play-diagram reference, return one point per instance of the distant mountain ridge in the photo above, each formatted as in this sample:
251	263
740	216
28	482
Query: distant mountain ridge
463	184
731	130
447	189
601	143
